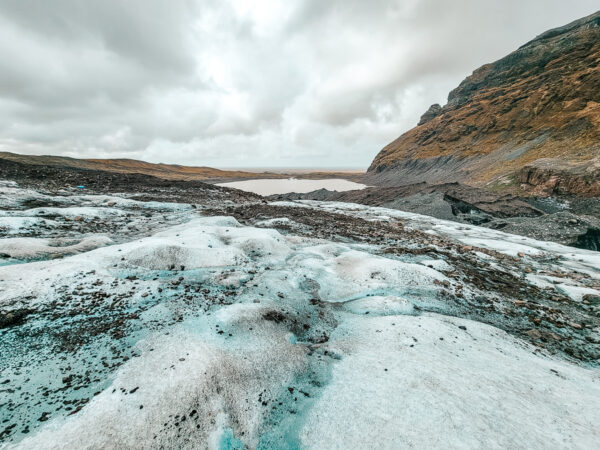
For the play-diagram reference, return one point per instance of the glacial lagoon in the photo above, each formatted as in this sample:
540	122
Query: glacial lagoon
285	185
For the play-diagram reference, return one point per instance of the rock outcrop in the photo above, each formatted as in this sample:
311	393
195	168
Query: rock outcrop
551	177
538	106
457	199
433	111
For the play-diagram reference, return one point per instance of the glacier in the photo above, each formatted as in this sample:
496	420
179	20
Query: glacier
153	325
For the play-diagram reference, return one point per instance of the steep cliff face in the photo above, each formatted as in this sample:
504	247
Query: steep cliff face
541	103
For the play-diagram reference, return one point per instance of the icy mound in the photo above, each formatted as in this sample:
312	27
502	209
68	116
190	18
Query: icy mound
207	242
32	248
190	389
345	274
440	382
160	256
16	225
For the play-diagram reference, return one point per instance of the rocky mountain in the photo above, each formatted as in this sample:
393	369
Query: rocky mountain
528	123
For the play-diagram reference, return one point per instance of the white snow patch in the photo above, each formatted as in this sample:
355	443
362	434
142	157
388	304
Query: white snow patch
86	212
380	306
33	248
353	274
14	225
575	292
398	385
273	222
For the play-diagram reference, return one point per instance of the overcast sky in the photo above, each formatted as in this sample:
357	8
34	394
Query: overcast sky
232	83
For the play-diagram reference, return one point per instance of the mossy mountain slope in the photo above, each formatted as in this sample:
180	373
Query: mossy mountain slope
529	122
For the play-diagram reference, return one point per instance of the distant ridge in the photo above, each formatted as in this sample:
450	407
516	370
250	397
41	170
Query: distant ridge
172	171
165	171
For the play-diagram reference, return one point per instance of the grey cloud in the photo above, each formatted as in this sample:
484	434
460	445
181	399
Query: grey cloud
284	83
151	33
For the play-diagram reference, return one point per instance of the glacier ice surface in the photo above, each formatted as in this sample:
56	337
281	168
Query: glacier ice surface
211	334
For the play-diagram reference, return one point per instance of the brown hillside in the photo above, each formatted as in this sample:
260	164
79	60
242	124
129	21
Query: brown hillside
528	121
172	171
164	171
